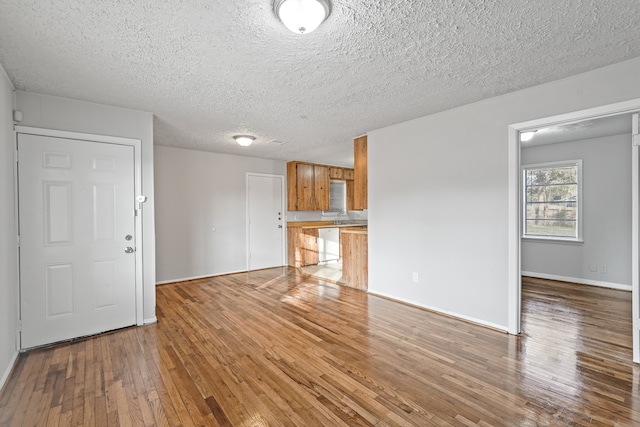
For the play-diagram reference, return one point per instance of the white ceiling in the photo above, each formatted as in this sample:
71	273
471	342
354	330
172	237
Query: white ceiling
210	69
585	129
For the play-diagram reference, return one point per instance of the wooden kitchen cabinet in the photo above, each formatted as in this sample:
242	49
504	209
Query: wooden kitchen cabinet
347	174
355	257
360	173
321	187
350	198
348	178
307	187
302	246
336	173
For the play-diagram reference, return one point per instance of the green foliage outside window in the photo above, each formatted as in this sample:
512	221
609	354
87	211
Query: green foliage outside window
551	196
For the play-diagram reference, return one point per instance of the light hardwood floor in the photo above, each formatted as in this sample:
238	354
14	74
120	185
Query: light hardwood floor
276	348
328	271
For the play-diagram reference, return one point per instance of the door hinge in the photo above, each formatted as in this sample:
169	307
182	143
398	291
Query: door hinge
16	156
18	240
636	140
19	325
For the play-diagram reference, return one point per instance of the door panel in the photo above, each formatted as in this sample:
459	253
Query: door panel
306	185
321	188
76	205
59	290
266	237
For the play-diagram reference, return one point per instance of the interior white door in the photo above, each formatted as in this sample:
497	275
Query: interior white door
77	238
266	232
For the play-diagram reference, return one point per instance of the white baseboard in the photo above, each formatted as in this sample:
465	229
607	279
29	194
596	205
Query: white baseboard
500	328
150	321
185	279
610	285
7	372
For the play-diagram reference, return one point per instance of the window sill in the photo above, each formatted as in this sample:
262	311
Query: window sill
549	239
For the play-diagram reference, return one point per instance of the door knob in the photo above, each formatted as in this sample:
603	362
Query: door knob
129	250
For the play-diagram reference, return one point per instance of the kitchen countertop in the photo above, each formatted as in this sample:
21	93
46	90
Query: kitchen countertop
321	224
358	230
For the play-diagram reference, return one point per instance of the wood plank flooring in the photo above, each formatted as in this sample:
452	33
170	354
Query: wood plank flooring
274	348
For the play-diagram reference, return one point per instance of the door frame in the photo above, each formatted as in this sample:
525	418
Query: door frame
137	162
282	207
515	208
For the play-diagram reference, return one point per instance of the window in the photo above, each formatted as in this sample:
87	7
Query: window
338	196
553	200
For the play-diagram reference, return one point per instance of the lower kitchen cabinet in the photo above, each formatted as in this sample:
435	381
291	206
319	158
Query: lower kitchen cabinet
302	246
355	263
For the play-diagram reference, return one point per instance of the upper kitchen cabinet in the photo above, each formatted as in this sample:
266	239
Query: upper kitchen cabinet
307	187
348	174
360	173
336	173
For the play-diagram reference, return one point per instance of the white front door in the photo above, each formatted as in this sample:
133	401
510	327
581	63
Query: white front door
265	217
76	220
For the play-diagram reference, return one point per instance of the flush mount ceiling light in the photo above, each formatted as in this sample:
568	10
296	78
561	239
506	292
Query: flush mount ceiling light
526	136
302	16
244	140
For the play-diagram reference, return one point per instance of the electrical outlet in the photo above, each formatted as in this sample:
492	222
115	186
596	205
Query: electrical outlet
415	277
604	269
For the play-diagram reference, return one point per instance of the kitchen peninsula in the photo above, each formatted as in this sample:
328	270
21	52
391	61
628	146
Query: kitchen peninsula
355	256
317	247
304	246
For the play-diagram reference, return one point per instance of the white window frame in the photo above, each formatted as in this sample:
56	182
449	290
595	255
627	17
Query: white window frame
579	214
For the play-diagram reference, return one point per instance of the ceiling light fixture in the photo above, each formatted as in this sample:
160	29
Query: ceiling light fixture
526	136
244	140
302	16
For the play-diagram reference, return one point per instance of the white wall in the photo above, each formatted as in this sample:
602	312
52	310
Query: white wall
318	216
198	191
8	233
606	166
75	116
448	174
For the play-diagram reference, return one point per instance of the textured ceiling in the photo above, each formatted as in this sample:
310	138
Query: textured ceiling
210	69
594	128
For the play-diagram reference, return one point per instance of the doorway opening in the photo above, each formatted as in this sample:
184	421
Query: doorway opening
555	130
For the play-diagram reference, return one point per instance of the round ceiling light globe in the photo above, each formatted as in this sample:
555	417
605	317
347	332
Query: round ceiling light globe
302	16
244	140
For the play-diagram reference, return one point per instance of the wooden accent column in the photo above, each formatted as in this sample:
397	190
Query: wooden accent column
360	173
